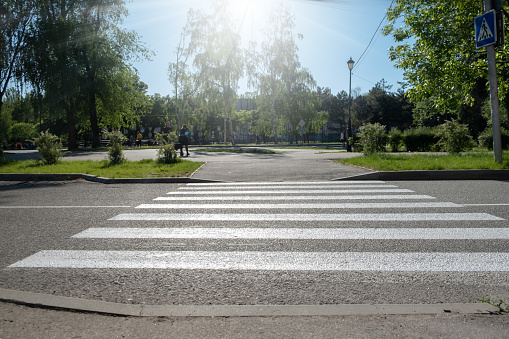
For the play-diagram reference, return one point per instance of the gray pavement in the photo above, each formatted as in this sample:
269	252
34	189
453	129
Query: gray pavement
93	318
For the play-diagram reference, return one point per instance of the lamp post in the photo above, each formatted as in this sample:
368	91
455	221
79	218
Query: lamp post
349	129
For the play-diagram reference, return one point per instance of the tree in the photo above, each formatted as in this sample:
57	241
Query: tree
15	26
437	51
272	69
79	60
219	58
184	81
106	49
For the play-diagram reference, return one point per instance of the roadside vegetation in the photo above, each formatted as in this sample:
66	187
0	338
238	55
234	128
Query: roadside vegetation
413	162
147	168
450	137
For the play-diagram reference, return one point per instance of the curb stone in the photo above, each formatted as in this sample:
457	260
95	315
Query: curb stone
143	310
93	178
502	174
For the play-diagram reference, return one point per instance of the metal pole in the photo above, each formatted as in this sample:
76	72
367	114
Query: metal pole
495	106
349	130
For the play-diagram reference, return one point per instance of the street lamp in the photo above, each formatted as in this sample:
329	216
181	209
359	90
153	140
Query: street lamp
349	130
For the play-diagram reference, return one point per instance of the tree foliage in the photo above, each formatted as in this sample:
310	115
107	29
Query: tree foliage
436	50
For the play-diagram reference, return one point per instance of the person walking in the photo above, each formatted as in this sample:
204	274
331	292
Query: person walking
139	136
184	139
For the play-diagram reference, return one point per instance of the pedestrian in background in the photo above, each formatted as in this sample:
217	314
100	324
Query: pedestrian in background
139	136
184	139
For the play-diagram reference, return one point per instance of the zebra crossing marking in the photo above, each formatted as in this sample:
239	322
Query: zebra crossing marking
285	260
186	188
297	191
303	206
285	183
307	217
252	260
301	197
296	233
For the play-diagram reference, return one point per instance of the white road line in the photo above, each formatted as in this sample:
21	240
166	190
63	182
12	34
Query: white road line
297	233
302	197
308	217
28	207
288	183
315	191
193	188
251	260
485	204
304	206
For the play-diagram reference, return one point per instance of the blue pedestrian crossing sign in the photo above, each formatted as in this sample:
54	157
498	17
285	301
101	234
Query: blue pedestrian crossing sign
485	29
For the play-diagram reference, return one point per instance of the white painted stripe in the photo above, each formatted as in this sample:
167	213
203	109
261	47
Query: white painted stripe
28	207
303	206
250	260
288	183
283	186
485	204
316	191
308	217
297	233
302	197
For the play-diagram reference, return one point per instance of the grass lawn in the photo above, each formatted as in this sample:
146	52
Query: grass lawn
412	162
147	168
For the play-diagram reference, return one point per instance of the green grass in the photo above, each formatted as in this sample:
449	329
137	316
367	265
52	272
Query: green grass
409	162
147	168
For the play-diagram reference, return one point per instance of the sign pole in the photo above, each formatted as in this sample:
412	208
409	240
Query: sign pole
495	106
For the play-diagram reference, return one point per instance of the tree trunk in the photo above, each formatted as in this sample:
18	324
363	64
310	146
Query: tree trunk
275	118
71	127
230	118
94	122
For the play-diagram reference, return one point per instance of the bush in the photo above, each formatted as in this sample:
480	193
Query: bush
421	139
115	149
486	138
373	138
49	146
22	131
395	140
166	154
453	137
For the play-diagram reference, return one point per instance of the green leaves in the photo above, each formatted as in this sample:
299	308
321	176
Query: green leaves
436	50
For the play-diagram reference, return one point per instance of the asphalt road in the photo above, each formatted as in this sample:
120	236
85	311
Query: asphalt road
45	216
46	219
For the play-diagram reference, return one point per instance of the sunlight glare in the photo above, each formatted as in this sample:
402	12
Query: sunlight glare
250	16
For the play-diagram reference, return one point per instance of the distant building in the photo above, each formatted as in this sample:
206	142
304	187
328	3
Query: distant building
245	105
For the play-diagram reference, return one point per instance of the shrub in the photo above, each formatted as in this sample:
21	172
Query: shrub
166	154
373	138
22	132
49	146
115	149
395	140
486	138
453	137
421	139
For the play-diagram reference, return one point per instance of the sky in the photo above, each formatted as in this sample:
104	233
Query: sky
333	31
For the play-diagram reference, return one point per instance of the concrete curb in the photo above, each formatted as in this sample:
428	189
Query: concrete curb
501	174
93	178
141	310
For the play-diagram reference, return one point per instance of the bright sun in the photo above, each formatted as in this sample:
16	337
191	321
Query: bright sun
250	16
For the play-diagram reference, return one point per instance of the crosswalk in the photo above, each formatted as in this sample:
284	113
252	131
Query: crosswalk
301	211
